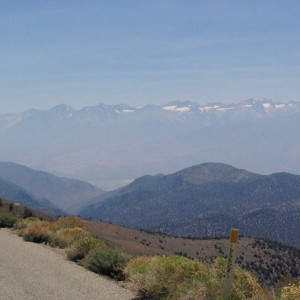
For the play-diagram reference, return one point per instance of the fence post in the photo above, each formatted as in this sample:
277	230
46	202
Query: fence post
230	264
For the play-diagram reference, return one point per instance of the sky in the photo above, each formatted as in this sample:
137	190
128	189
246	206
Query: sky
85	52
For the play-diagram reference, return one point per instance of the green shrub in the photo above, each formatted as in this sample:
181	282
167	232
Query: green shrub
106	261
7	219
174	277
80	248
164	277
23	223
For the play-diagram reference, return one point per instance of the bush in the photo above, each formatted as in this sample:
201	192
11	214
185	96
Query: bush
106	261
164	277
80	249
23	223
174	277
290	291
7	219
64	237
38	232
69	222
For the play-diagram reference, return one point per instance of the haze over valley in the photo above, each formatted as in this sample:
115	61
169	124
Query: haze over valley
111	145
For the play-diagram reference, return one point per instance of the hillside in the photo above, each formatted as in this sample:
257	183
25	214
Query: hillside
269	261
67	194
23	211
206	201
17	194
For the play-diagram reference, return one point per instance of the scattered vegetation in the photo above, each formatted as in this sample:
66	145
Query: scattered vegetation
153	277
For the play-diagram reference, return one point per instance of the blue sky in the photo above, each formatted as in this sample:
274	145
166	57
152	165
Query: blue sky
147	51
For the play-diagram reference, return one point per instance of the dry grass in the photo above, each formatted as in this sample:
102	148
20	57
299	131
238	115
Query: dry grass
61	233
69	222
291	291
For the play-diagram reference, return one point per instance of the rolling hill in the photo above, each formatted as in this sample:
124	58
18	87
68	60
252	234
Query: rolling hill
206	201
17	194
65	193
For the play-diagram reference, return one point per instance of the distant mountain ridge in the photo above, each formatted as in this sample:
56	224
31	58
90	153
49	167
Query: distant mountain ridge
206	201
64	112
65	193
110	145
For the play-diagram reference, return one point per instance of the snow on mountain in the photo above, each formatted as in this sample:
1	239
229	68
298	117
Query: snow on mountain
116	143
176	108
63	111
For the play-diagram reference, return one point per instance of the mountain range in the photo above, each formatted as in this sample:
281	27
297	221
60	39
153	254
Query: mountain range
111	145
207	200
44	191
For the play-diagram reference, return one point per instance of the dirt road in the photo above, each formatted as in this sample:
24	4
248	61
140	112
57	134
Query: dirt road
34	272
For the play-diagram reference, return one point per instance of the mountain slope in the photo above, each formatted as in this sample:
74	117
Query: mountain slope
206	201
17	194
67	194
269	261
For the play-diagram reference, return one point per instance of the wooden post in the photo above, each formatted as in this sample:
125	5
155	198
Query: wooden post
230	264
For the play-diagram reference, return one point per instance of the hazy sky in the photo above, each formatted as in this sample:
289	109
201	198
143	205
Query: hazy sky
84	52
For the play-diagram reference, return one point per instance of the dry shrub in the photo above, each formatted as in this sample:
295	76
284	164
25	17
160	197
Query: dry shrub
69	222
38	232
64	237
291	292
61	233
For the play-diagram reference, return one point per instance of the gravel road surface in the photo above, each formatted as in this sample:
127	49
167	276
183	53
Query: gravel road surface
30	271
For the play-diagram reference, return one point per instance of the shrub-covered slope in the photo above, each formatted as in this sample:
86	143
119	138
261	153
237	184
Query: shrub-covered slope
206	201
